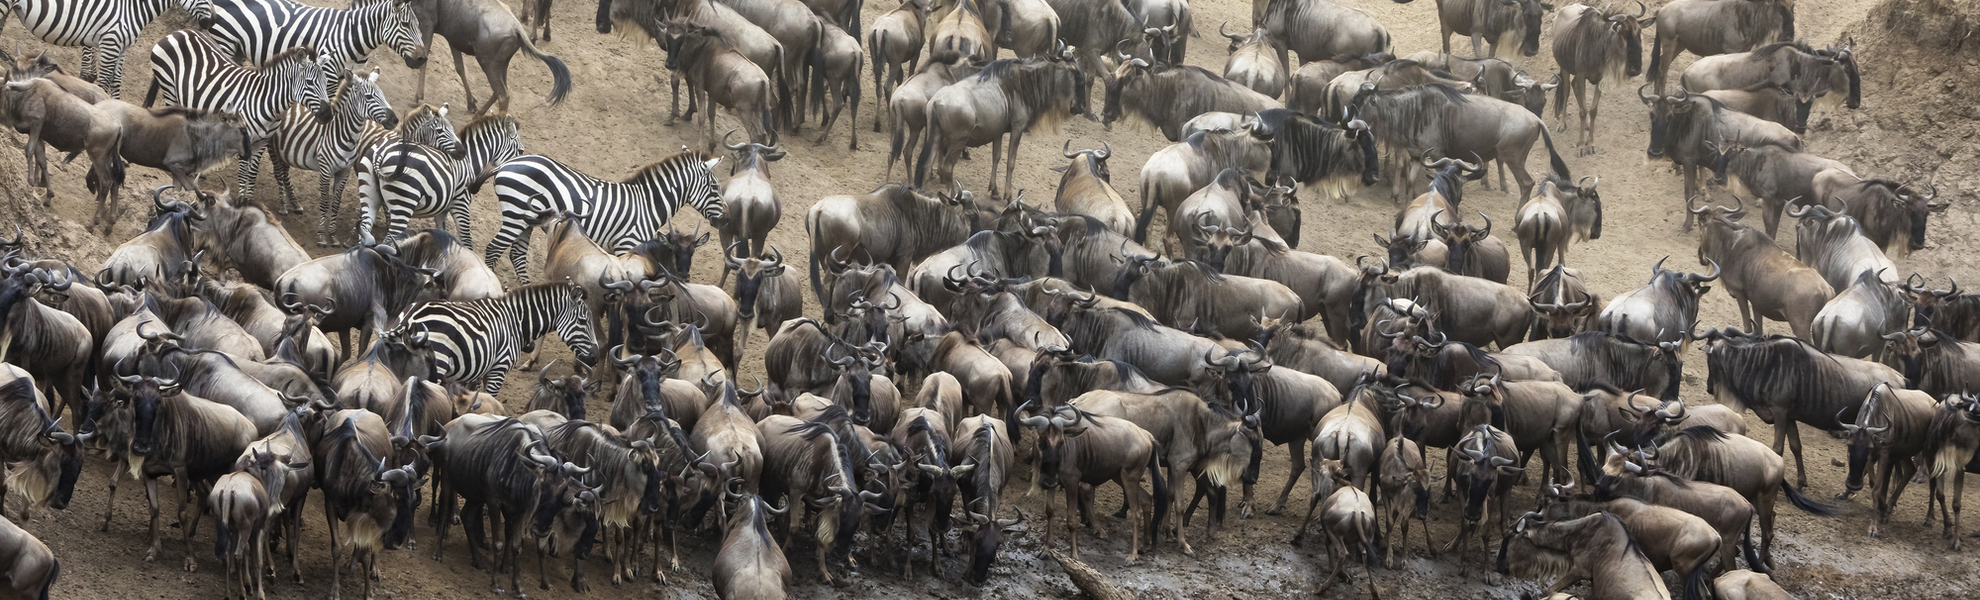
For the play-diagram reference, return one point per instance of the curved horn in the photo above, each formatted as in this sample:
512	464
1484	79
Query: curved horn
1066	150
732	147
1234	38
1715	272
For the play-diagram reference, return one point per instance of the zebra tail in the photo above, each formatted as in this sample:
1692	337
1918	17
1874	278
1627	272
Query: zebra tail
560	75
150	93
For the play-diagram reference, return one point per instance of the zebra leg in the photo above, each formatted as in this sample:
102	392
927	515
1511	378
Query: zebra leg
397	219
287	203
109	57
329	189
519	258
461	223
250	168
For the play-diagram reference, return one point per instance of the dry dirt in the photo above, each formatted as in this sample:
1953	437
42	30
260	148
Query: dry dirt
1915	118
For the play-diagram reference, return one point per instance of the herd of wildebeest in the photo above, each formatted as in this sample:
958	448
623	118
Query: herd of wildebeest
965	338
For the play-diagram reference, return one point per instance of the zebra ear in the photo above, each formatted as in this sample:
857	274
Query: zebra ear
713	162
443	108
374	75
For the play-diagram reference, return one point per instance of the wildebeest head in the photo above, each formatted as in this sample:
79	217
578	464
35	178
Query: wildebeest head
1909	347
51	478
984	542
1925	300
1213	244
1402	251
559	490
564	394
1460	239
1664	110
750	274
1651	420
1530	93
684	246
1054	427
1630	29
146	395
1226	382
1867	434
1529	13
1479	469
855	381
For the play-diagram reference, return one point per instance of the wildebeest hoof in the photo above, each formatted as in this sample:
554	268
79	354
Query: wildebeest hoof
191	565
1297	539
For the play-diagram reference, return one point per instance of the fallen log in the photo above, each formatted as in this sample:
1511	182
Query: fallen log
1088	580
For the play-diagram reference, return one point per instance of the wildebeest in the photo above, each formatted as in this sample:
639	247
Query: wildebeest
751	206
1012	97
192	439
1192	295
750	565
984	445
1834	245
31	568
1319	30
1722	507
52	345
1483	465
163	253
1748	585
1889	211
367	499
834	69
53	116
1767	101
1762	279
1804	72
1666	306
1081	451
1306	88
721	74
963	29
490	33
1597	548
1495	23
1855	322
1435	115
1672	539
804	461
1173	173
1934	362
1167	97
907	106
1324	284
1786	381
1348	518
503	465
1696	131
893	225
1257	61
1889	432
356	278
1557	214
1705	454
1198	435
894	40
1592	45
50	458
1473	251
1709	27
1952	440
1777	176
1594	358
1313	151
1087	189
1468	309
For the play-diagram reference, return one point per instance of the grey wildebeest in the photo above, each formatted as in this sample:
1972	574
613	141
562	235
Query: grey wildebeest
1666	306
1173	173
752	41
892	225
490	33
1435	115
1934	362
1557	214
1696	131
1710	27
1404	477
1349	521
1889	432
750	203
964	30
1211	220
1473	251
1786	381
1889	211
750	565
767	293
1853	323
1804	72
1592	46
1748	585
163	253
1592	359
1320	30
1080	451
192	439
721	74
503	465
984	444
1777	176
1729	513
1194	435
51	345
31	568
1493	23
1087	189
1325	284
894	40
50	458
1095	28
907	106
1166	97
1306	87
834	78
1257	61
1468	309
1012	96
1483	464
1164	354
360	277
1767	101
1672	539
1765	281
367	499
1705	454
1192	295
1540	416
247	239
1595	548
801	461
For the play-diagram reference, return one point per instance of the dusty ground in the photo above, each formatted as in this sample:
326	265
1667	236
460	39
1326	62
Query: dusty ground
1915	118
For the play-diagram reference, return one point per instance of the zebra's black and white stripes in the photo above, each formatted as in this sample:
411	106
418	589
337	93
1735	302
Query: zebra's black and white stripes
105	26
618	215
477	342
258	30
330	148
191	69
406	180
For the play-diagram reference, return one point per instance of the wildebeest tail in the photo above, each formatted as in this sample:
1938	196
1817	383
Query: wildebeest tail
1004	35
1656	56
54	573
560	75
1162	493
1806	504
931	136
1753	562
1585	456
815	72
1371	539
783	90
1694	582
1147	216
220	535
1560	166
817	286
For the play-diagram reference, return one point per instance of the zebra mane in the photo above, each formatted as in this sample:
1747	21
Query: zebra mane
665	164
299	53
487	121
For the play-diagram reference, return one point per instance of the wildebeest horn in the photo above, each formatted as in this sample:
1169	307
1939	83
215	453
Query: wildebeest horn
1715	272
729	256
1647	98
1487	231
1671	414
1436	164
1066	150
1615	448
732	147
1640	10
1234	38
1696	211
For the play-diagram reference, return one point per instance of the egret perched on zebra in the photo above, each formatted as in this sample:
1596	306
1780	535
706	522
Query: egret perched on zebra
258	30
406	180
619	215
330	148
476	343
189	68
103	28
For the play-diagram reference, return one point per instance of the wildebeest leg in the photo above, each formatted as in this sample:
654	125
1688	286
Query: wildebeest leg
1594	110
1476	50
674	111
1336	552
110	497
996	154
495	66
1794	443
190	509
1049	522
466	89
1298	448
1585	134
472	523
1010	164
1312	502
1959	489
151	496
542	564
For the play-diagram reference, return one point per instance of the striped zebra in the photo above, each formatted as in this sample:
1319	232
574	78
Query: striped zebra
620	215
329	148
103	28
407	180
426	125
190	69
477	341
258	30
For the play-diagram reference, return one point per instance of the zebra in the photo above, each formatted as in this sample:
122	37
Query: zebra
405	180
192	70
477	341
328	148
258	30
620	215
103	28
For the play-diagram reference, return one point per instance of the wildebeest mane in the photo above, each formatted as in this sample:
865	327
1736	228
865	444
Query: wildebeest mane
1310	150
1399	114
1777	368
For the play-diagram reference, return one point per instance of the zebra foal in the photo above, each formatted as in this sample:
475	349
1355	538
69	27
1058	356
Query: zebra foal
329	148
619	215
406	179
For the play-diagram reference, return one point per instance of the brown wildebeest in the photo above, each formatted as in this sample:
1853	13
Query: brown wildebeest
1592	45
39	65
1081	451
1951	442
1709	27
1672	539
1494	23
1696	131
1010	97
907	106
486	30
1557	214
895	40
1765	281
1405	481
1804	72
1319	29
834	67
1889	432
963	30
51	116
1748	585
1435	115
1257	61
1889	211
750	564
720	74
1594	548
1167	97
1087	189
